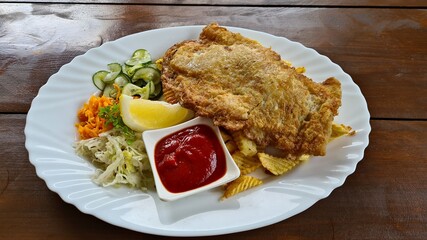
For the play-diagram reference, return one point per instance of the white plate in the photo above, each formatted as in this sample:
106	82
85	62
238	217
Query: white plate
50	134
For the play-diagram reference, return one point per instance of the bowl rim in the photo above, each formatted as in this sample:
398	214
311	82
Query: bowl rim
152	137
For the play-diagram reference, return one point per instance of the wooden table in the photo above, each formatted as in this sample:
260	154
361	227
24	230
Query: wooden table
382	44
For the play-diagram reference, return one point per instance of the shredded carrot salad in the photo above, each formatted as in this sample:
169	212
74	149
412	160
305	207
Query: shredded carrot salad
90	124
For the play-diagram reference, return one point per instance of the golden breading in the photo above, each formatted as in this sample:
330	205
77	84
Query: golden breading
246	87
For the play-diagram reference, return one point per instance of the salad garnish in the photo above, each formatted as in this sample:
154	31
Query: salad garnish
116	150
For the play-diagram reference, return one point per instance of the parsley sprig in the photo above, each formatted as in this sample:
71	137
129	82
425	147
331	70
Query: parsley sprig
111	114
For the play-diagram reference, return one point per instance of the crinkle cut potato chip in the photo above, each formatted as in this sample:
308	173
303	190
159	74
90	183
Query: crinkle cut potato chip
246	164
278	165
248	158
239	185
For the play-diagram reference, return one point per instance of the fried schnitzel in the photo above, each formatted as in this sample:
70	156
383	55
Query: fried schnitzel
246	87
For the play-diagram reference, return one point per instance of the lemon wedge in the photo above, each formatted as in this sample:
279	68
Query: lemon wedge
142	114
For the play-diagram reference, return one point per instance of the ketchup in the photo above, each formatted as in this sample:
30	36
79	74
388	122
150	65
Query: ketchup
190	158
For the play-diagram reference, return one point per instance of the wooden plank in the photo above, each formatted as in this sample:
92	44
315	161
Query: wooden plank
322	3
384	198
382	49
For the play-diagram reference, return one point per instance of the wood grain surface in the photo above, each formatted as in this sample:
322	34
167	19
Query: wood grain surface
321	3
382	49
381	44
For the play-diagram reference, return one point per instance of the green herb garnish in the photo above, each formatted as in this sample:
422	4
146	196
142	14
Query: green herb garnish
111	114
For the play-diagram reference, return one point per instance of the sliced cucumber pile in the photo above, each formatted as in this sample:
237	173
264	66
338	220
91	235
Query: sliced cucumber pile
139	74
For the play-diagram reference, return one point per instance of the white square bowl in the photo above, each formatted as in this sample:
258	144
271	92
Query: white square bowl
152	137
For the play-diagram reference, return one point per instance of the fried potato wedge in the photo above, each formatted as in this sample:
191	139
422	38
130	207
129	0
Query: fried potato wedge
225	136
245	145
231	146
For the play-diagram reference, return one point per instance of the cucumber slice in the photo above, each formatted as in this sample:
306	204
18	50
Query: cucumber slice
141	53
115	69
140	83
148	74
109	91
151	65
130	70
133	90
157	93
98	79
121	80
140	56
151	87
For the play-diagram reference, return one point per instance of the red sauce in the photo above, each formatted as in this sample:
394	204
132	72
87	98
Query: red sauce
189	158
